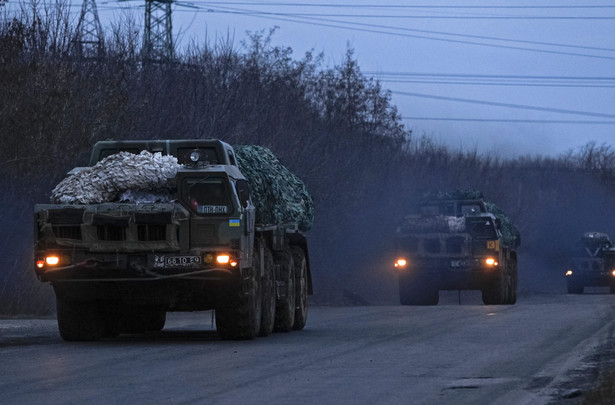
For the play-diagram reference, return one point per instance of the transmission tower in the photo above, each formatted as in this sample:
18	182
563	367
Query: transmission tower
89	41
158	36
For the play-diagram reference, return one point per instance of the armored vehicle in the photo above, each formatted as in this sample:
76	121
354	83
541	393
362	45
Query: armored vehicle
593	263
457	241
176	225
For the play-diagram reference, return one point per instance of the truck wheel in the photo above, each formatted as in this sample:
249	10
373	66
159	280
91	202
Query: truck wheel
413	291
285	306
238	312
574	288
154	320
512	293
79	321
496	294
268	294
301	287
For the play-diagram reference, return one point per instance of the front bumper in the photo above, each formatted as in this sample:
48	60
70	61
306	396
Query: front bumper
452	273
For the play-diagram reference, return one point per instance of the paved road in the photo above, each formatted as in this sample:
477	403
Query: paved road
448	354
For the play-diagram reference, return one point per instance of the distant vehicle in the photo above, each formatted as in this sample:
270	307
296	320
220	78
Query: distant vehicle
593	263
457	241
204	239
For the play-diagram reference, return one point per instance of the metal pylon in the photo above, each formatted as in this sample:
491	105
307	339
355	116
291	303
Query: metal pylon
158	36
89	41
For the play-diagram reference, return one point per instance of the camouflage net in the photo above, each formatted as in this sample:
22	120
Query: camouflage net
279	195
115	174
510	233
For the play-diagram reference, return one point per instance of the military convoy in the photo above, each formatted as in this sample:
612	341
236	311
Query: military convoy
180	225
457	241
592	264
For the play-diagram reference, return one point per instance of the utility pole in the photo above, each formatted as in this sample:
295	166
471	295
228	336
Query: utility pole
158	36
89	42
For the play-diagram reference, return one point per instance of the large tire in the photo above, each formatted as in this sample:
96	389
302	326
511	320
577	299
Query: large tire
417	291
285	306
268	286
512	293
497	292
79	321
238	311
301	287
574	288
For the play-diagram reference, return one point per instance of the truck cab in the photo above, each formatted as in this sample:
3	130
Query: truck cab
454	244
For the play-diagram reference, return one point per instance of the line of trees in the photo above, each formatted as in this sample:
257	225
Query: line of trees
333	127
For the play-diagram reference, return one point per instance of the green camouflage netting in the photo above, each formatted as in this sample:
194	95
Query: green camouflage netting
279	196
453	195
510	233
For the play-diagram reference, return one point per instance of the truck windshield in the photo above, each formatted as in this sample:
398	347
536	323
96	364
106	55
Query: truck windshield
482	229
208	195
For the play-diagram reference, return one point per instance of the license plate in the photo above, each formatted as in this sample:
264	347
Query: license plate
176	261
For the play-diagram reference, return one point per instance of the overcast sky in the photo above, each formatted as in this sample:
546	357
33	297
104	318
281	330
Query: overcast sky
508	77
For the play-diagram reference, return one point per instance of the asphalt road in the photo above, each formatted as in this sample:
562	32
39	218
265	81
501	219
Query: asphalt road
532	352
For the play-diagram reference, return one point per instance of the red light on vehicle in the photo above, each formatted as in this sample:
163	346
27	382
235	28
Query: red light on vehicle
40	264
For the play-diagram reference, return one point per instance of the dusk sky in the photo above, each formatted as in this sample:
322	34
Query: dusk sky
513	77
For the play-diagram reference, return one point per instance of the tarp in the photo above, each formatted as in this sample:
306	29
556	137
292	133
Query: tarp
279	196
115	174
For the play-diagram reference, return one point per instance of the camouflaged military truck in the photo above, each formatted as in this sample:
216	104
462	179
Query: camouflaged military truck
224	233
457	241
593	263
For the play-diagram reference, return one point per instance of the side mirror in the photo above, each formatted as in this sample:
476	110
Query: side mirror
243	192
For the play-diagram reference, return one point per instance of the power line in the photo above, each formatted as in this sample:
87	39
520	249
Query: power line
520	84
520	121
389	6
322	22
506	105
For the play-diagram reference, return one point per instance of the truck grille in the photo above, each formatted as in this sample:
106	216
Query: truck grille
454	245
67	231
151	232
111	233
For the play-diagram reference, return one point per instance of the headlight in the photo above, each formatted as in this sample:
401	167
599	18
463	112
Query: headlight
569	273
223	259
490	261
195	156
401	263
52	260
613	273
226	260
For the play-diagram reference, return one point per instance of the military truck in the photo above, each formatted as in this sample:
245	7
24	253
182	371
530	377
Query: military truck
592	264
457	241
214	229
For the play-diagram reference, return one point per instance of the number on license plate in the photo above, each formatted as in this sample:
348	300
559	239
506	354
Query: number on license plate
174	261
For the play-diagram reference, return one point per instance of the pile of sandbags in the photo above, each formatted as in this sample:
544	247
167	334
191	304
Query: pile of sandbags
278	195
108	179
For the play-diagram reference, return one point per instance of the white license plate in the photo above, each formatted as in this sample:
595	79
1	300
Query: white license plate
180	261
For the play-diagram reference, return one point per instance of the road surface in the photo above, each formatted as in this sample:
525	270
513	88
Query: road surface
447	354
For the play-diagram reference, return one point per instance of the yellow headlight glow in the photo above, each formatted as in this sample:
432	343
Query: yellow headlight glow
613	273
52	260
569	273
490	261
401	263
223	259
